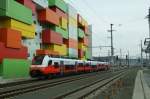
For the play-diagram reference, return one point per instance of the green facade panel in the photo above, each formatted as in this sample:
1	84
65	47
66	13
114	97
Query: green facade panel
59	3
12	9
81	33
14	68
87	54
1	70
63	32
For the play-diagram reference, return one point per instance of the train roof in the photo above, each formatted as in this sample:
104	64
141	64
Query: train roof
47	58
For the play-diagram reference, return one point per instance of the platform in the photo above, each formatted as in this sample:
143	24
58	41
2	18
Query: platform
141	88
6	81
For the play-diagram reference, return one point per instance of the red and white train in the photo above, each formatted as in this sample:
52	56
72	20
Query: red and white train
45	66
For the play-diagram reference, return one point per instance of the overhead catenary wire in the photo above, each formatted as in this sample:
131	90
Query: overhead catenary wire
87	13
94	11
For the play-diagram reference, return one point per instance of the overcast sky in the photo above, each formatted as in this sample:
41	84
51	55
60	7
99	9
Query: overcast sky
129	13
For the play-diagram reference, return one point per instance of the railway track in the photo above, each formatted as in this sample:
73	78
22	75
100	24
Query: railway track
33	85
11	84
86	90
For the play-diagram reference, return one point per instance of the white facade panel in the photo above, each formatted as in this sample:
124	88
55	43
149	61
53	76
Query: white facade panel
73	52
41	3
73	32
72	11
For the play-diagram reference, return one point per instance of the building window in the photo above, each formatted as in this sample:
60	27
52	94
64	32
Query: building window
34	22
36	33
40	45
40	35
28	55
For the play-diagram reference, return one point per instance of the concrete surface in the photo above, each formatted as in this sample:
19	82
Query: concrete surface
5	81
141	89
124	92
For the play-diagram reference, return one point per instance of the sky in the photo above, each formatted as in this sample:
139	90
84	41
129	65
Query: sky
128	17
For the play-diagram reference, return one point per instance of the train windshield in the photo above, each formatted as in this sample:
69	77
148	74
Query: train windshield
80	64
37	60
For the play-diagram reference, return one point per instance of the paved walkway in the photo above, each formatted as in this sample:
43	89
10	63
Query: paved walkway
5	81
141	89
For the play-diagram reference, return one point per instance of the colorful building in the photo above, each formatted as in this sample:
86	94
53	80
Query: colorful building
40	27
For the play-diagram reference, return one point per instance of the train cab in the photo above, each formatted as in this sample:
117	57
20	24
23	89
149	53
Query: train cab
44	66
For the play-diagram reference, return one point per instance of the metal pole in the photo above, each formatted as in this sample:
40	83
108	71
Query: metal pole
149	25
120	57
128	59
149	21
112	48
141	54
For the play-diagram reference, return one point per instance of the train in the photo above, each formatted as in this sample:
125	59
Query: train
46	66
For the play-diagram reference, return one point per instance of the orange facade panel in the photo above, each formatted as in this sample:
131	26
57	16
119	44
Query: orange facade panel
86	41
10	37
6	52
51	37
46	52
71	43
59	12
80	53
48	15
86	30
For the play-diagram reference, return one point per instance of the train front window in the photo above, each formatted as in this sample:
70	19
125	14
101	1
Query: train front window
49	62
37	60
56	64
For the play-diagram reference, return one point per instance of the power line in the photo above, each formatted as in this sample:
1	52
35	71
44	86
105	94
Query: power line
93	10
85	11
99	46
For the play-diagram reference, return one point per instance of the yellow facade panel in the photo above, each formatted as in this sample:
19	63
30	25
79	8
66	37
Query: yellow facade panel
81	46
83	58
64	23
28	31
72	21
61	49
84	22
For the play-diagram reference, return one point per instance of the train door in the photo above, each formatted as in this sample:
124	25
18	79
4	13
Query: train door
76	66
69	67
62	67
80	67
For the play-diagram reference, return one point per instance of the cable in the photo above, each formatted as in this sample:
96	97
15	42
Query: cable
85	11
93	10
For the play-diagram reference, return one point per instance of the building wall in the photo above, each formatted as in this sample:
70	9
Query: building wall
60	20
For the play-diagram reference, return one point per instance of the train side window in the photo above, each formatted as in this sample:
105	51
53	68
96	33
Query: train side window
56	64
61	62
76	63
87	64
49	62
80	64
